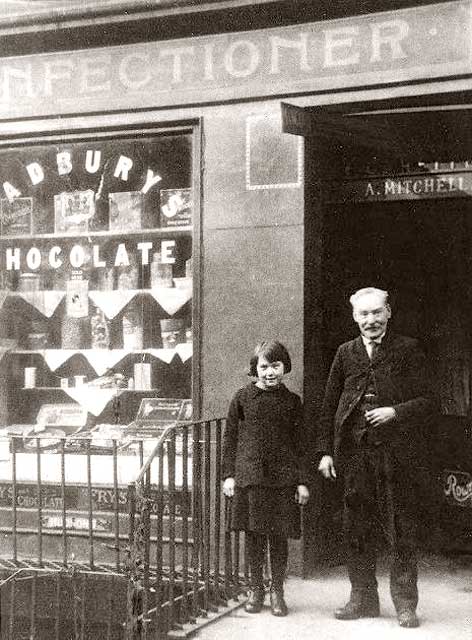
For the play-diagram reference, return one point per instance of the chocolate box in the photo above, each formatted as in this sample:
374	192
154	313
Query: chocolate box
16	217
126	210
176	207
73	210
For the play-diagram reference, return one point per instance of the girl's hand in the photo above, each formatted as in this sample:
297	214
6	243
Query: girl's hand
228	487
302	494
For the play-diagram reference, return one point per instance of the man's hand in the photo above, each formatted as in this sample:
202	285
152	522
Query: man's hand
302	494
381	415
228	487
326	467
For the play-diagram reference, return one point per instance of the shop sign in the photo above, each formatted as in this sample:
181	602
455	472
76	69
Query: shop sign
15	258
74	211
77	523
77	498
457	486
379	48
416	187
80	203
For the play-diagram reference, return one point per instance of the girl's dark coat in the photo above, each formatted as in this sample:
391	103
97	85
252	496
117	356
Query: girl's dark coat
263	440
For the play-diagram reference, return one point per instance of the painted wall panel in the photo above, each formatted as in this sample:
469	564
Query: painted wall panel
252	289
232	197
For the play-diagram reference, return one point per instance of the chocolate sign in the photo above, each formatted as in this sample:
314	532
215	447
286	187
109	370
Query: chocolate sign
76	498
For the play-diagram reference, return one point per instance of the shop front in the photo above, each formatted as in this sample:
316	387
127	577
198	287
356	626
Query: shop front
166	203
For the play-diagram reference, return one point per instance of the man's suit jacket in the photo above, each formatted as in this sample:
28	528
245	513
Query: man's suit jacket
401	379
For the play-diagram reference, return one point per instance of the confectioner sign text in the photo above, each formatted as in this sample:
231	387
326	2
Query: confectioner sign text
405	45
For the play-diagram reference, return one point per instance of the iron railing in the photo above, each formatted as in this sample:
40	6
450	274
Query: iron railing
184	574
130	543
64	522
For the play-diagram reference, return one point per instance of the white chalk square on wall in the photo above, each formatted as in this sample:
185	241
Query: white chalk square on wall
274	160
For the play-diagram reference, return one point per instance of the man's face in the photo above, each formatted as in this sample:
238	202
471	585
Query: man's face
372	315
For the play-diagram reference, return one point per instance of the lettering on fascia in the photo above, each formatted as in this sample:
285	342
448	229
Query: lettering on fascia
94	78
134	71
418	186
21	79
281	47
389	35
57	75
214	61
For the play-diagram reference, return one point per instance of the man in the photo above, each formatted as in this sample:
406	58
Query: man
376	406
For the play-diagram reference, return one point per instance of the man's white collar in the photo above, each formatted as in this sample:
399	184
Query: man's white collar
378	340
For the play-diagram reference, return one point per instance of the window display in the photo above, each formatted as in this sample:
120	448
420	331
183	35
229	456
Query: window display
96	277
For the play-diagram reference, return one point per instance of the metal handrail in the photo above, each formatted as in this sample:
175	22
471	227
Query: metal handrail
189	578
147	465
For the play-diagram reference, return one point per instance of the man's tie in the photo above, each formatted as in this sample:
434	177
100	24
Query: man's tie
374	347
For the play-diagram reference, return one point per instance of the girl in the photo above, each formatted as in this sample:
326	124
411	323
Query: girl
263	470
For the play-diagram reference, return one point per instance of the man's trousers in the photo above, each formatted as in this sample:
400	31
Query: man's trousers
371	508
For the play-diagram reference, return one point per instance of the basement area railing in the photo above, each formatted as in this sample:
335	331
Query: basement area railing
185	565
101	540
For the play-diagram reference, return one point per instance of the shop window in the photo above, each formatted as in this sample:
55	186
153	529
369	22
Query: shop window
96	280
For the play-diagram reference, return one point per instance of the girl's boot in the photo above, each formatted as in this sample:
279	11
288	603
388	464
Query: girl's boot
278	605
255	600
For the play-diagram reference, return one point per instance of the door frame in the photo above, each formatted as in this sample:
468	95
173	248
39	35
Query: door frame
321	530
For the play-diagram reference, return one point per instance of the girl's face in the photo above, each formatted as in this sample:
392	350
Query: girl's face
270	374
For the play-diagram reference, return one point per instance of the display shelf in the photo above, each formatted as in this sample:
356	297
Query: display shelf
86	386
111	302
107	358
147	290
101	466
149	350
156	231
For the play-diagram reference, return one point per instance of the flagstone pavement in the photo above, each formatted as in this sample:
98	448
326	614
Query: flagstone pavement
445	609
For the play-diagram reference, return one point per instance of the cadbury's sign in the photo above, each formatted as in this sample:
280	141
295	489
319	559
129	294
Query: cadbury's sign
93	162
33	174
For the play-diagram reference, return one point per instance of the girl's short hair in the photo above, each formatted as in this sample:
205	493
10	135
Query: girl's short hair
272	351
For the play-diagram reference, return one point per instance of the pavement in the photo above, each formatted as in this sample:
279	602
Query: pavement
444	610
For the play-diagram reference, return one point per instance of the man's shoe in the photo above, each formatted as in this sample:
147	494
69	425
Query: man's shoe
278	605
255	600
354	610
408	619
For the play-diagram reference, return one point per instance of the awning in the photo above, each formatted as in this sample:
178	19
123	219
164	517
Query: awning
427	132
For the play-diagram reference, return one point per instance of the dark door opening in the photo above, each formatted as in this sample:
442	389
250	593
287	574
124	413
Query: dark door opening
420	250
421	253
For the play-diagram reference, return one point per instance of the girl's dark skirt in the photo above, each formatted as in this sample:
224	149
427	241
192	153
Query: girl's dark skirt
269	510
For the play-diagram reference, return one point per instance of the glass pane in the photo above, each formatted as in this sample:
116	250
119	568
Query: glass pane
96	278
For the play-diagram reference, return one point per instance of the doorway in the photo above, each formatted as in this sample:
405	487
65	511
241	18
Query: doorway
420	252
419	249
